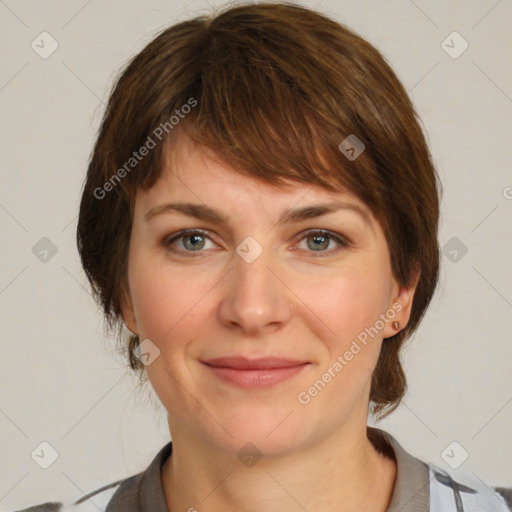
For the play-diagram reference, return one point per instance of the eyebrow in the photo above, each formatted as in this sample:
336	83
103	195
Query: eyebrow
292	215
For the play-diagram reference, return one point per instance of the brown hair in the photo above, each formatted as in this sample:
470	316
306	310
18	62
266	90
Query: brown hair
272	89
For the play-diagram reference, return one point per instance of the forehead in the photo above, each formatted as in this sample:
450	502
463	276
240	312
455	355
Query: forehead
194	172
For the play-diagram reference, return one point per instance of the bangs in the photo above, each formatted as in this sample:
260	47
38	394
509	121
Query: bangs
261	114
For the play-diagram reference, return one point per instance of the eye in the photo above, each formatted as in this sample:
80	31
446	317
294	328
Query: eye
194	241
190	241
319	241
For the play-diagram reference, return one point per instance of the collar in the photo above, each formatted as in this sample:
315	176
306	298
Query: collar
411	492
144	492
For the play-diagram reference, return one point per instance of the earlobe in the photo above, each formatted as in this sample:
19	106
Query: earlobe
399	312
128	315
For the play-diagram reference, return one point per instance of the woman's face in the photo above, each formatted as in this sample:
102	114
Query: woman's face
265	283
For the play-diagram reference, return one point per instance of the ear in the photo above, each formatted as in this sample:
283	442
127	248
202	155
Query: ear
128	314
399	308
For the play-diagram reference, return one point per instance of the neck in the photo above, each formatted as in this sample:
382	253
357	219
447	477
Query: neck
344	473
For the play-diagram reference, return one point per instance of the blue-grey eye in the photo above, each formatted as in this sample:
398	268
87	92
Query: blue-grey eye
320	242
196	241
191	241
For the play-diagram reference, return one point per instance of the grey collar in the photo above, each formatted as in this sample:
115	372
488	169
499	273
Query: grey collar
144	492
411	492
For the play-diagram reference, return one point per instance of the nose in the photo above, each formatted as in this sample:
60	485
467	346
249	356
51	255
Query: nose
255	299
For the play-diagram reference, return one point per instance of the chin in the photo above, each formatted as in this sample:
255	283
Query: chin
272	432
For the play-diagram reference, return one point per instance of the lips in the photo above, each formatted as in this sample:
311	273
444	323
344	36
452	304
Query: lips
254	373
264	363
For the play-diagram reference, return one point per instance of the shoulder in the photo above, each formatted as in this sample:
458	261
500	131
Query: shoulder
422	486
466	492
98	500
53	506
142	491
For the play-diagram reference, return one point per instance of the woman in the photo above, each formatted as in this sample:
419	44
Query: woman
261	212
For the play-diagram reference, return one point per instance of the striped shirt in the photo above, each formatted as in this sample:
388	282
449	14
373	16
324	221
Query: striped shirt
419	487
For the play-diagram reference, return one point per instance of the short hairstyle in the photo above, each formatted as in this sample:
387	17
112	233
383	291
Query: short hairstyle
273	89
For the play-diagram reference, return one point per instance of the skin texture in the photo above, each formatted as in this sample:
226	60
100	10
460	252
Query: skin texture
301	299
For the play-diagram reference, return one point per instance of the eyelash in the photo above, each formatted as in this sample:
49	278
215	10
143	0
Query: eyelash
341	241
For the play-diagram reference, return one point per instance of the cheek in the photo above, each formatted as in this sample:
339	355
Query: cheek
345	307
346	301
169	303
170	313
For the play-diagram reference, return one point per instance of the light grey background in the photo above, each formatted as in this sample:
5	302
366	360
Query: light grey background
61	381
